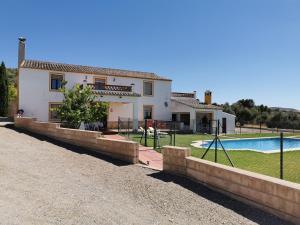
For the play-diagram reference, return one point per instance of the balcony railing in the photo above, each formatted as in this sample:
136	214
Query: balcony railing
111	87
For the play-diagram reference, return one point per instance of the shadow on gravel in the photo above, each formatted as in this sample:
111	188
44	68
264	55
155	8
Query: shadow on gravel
70	147
254	214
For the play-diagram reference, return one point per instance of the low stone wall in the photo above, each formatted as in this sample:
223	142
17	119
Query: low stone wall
120	149
273	195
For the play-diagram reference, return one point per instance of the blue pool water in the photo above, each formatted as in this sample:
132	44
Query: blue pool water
259	144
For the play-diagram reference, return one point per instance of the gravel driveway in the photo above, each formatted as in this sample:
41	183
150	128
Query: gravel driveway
45	182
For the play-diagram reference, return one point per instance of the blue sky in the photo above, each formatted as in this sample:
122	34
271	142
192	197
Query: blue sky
236	48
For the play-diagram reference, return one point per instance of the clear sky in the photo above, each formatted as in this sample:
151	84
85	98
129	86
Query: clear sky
235	48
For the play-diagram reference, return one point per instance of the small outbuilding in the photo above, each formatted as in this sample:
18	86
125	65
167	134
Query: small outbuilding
200	117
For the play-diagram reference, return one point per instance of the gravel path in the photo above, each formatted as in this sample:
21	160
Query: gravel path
45	182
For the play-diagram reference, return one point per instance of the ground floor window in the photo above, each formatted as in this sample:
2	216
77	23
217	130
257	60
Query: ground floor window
148	112
52	113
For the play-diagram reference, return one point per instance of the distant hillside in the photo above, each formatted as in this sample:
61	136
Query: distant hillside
247	112
282	109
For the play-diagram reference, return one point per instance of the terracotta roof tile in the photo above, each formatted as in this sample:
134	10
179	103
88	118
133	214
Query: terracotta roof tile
194	103
62	67
181	94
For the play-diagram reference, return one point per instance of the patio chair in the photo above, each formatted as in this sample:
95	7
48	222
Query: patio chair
158	132
149	133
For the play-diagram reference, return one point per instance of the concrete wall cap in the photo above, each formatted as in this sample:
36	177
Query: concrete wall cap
246	173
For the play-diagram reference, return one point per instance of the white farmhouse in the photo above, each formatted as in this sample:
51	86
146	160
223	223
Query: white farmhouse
130	94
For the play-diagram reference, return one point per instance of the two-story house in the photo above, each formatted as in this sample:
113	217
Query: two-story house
130	94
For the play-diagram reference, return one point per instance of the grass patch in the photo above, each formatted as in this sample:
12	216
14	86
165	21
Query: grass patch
263	163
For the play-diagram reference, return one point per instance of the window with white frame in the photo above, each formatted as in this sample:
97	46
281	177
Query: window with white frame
56	81
148	88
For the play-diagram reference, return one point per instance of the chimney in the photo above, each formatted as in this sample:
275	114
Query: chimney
195	94
207	97
21	53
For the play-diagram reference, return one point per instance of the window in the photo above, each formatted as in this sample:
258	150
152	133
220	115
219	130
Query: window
52	113
56	81
148	88
99	83
148	112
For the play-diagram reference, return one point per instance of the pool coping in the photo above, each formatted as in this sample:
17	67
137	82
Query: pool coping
198	144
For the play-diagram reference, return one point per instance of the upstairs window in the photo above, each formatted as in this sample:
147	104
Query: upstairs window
52	113
56	81
148	88
148	112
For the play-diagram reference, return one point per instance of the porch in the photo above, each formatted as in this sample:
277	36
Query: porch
195	121
123	103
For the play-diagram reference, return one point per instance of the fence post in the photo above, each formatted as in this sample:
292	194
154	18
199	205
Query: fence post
260	127
174	140
281	155
118	125
145	128
128	125
170	132
216	143
155	134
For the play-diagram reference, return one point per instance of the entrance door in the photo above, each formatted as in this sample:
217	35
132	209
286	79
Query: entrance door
185	118
224	125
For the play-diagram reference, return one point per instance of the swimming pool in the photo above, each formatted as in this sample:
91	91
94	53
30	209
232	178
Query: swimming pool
266	145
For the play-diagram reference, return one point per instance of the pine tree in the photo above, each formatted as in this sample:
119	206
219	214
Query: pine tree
3	90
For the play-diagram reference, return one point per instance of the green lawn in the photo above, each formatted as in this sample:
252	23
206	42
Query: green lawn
249	160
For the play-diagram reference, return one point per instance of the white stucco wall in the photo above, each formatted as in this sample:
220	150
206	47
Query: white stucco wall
34	94
219	115
123	110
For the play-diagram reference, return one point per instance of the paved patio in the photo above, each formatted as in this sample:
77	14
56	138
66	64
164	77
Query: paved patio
147	155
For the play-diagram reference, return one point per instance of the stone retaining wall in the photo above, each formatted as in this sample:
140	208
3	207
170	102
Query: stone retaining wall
125	150
273	195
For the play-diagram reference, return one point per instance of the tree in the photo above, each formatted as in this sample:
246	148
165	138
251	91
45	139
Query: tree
12	93
3	90
247	112
227	108
247	103
244	116
79	105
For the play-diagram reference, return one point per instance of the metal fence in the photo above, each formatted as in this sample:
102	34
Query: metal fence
251	128
150	133
279	158
281	163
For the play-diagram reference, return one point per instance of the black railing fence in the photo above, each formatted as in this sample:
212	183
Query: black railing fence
280	161
106	87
